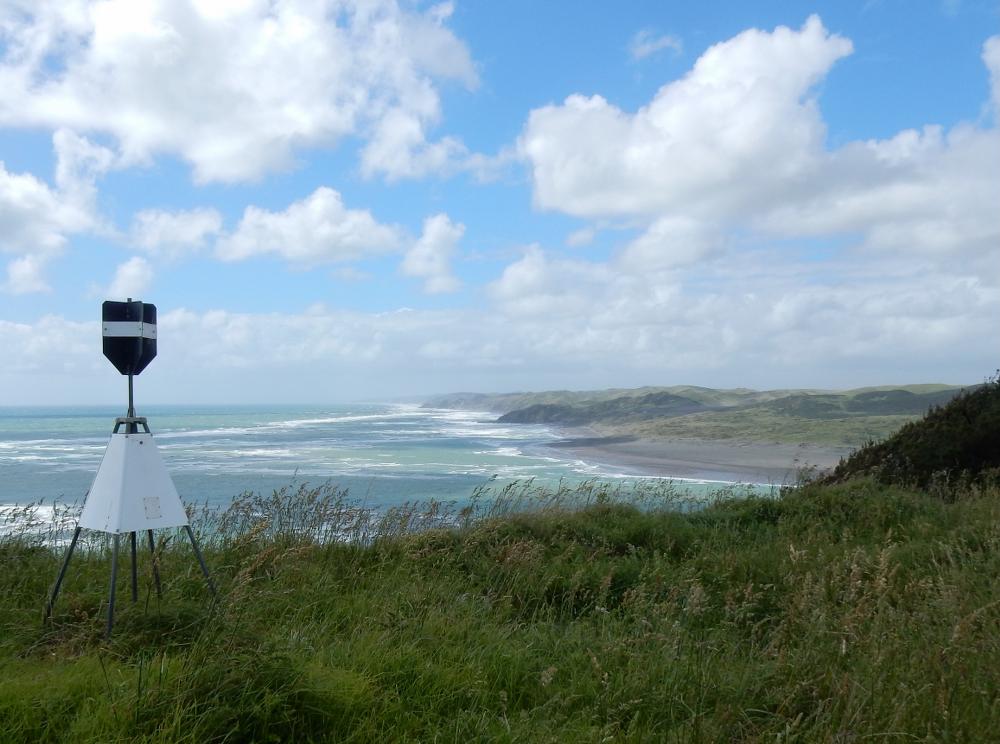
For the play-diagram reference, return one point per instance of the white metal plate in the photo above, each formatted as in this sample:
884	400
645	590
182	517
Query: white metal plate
128	329
132	490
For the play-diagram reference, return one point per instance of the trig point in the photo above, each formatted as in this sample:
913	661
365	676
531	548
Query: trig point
133	491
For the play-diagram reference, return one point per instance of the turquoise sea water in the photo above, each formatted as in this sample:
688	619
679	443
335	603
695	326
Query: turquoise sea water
385	454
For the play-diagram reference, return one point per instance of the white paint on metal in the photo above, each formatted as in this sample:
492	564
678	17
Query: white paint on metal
129	329
133	490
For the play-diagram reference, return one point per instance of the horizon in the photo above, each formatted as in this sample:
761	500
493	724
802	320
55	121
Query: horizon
456	196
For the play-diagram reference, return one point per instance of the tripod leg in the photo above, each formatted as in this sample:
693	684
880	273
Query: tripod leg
156	564
114	581
135	578
62	573
204	568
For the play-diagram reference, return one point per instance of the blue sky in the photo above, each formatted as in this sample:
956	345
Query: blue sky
368	200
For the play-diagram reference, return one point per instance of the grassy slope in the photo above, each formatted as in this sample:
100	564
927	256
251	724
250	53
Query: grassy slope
833	614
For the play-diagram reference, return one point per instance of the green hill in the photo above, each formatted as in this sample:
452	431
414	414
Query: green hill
621	409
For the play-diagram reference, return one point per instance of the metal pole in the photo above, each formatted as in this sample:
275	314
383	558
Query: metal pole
131	406
131	428
62	573
201	561
156	564
114	581
135	578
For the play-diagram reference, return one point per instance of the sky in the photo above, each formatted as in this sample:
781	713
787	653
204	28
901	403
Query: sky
378	200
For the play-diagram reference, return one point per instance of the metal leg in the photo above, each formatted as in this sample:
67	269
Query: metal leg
204	568
135	578
62	573
156	564
114	581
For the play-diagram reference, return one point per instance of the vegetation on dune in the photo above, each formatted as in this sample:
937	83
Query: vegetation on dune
761	425
833	613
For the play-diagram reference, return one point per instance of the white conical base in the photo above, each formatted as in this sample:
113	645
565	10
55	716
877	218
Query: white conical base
133	490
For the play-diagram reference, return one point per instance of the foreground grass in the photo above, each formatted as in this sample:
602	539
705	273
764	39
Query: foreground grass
832	614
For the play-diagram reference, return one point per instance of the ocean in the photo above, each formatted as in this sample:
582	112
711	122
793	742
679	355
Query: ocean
383	454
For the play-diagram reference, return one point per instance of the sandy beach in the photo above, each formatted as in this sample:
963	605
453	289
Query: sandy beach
718	460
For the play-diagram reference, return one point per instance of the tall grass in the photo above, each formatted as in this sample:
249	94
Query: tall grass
836	613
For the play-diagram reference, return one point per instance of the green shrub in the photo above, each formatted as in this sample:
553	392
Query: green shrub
953	445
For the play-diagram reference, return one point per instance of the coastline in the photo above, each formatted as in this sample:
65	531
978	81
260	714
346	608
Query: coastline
733	461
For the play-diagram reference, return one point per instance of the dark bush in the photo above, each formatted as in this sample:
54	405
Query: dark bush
956	442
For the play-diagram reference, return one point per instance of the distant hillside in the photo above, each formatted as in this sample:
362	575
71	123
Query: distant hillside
839	418
958	439
620	410
506	402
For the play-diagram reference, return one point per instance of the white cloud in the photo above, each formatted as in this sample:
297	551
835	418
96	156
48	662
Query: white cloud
79	162
754	318
915	193
740	121
430	257
738	144
173	234
234	88
132	279
51	343
542	287
399	149
32	217
318	229
36	218
583	236
235	340
25	275
671	242
647	42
